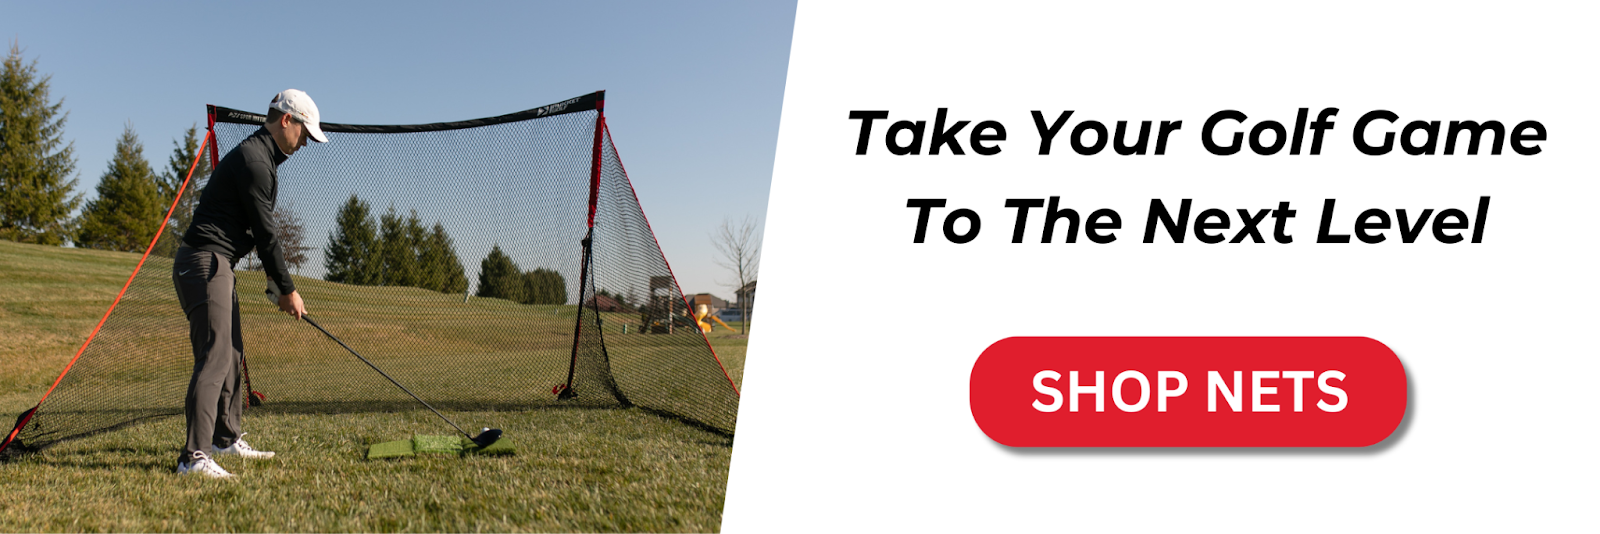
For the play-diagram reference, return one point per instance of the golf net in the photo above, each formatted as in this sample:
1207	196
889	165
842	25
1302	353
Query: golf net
494	264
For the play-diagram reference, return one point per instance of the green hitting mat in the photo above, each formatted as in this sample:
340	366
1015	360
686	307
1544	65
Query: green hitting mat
442	445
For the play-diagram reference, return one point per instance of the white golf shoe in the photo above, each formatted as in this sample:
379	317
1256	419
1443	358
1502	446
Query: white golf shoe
203	466
242	449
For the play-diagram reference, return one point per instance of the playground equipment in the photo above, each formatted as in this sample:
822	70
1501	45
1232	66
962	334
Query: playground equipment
664	311
704	313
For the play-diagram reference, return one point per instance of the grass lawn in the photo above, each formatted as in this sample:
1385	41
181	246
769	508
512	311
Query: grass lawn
577	469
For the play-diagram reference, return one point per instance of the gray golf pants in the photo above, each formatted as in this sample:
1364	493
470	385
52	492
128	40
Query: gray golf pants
215	401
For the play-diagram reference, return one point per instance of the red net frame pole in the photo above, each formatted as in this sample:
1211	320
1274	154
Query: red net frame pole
205	146
588	242
211	128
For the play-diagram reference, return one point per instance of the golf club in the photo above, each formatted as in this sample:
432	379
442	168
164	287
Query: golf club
489	435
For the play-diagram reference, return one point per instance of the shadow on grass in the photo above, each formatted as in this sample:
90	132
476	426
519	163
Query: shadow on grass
715	436
149	464
708	435
19	449
110	458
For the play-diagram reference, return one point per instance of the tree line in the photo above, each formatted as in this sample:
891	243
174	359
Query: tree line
499	277
391	250
395	250
37	205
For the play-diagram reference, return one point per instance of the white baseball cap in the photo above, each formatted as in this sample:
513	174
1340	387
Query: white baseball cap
296	103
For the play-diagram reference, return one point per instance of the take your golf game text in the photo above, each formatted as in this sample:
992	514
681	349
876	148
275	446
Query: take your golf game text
1227	132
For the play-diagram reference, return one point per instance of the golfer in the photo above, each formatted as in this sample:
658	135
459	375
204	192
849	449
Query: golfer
234	216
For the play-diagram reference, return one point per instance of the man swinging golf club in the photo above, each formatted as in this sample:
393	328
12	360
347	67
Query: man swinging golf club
234	216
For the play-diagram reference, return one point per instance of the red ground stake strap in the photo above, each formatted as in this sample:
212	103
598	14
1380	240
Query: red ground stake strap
204	146
1188	391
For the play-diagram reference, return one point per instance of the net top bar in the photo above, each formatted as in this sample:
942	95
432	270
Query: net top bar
595	100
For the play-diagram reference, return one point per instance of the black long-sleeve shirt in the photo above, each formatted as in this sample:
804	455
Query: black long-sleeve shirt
235	210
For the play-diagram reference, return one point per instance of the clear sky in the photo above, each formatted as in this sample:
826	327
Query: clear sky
693	90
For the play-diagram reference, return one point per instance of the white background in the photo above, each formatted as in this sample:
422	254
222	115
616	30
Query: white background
855	411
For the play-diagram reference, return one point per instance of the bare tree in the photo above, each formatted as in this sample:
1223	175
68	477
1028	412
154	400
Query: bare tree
292	233
739	250
291	239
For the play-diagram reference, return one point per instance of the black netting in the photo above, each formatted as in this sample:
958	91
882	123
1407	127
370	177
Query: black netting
621	336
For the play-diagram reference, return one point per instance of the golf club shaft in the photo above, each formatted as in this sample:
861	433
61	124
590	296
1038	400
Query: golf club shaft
385	375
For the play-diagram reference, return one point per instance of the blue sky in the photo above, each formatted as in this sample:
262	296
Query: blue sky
693	90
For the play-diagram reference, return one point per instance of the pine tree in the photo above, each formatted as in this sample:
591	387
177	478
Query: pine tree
183	154
36	200
500	278
442	268
545	286
430	263
395	252
416	238
128	211
350	256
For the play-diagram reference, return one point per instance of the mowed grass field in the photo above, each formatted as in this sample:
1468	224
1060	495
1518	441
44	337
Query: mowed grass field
577	469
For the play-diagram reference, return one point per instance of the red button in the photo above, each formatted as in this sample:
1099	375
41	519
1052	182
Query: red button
1188	391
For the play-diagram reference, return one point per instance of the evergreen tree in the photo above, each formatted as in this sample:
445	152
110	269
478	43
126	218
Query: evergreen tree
350	255
128	210
416	240
395	252
36	200
545	286
183	154
500	278
392	251
442	268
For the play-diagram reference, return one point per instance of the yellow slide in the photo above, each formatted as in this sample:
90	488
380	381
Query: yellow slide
703	314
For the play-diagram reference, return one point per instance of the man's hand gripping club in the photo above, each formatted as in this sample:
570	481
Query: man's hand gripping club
290	304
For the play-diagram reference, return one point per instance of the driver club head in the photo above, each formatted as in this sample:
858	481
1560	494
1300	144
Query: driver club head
487	438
